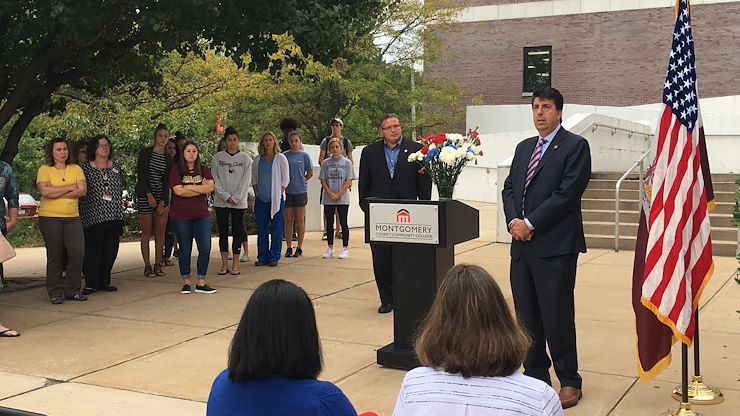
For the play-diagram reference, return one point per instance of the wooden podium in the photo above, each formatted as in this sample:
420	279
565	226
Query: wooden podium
422	236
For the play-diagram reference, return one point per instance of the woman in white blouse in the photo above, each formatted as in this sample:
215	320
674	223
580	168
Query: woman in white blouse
471	347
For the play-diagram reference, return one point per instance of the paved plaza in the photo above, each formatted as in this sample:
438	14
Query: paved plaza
148	350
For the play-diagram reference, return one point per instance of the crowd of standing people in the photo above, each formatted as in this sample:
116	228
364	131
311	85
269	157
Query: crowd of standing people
81	212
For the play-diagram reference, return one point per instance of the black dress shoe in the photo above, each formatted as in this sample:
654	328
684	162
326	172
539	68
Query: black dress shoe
385	308
109	288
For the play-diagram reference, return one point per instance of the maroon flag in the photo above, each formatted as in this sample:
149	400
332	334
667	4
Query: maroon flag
673	256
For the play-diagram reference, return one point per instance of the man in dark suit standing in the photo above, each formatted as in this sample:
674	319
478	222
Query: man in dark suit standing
385	172
542	203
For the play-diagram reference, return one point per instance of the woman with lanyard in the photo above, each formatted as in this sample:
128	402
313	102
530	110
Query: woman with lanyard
270	177
61	184
153	199
101	212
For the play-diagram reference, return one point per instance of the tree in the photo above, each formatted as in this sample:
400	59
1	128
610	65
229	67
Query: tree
91	46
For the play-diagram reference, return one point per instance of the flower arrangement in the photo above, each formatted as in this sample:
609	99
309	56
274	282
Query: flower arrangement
443	156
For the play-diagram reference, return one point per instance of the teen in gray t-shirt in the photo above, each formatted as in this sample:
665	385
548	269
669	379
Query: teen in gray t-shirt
336	176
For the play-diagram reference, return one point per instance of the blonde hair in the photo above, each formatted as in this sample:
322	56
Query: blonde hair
332	140
261	147
470	329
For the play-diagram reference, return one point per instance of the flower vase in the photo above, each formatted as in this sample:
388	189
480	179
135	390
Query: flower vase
445	190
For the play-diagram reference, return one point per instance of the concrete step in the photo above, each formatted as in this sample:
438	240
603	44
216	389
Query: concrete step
596	193
719	247
626	217
611	184
633	205
630	230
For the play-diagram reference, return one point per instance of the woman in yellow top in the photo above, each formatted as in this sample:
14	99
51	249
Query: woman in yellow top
61	183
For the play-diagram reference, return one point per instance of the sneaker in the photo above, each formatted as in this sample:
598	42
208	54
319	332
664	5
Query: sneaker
298	252
289	252
204	289
328	253
244	258
344	253
186	289
323	237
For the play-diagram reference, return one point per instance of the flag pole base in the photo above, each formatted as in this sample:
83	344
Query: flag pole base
683	410
700	393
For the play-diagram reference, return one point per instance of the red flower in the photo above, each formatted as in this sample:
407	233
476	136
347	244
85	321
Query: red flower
481	153
439	138
424	150
420	171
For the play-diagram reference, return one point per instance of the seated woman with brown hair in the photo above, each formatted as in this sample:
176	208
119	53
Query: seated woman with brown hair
274	360
471	346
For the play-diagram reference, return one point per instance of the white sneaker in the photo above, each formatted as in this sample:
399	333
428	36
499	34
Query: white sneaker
328	253
344	253
244	258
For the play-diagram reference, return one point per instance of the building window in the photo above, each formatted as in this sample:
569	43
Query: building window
537	67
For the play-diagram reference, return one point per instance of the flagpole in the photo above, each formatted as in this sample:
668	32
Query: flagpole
684	409
698	391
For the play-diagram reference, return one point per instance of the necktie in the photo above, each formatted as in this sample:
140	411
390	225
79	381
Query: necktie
533	162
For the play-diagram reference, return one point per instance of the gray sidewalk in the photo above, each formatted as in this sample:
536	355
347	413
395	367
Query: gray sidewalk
148	350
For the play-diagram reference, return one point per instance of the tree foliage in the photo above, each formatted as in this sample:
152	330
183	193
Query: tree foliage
91	45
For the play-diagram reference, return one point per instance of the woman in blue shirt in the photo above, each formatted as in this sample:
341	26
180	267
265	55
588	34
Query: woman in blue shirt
274	360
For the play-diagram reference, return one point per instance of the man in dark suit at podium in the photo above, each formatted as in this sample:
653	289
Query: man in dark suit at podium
385	172
542	203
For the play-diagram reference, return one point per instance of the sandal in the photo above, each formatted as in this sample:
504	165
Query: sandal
148	271
158	270
223	272
5	334
235	272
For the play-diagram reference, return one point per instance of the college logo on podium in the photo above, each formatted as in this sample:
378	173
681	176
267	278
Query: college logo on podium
403	216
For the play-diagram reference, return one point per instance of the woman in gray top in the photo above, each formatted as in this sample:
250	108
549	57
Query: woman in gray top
336	177
232	174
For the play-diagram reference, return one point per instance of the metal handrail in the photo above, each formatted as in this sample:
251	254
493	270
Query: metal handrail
639	162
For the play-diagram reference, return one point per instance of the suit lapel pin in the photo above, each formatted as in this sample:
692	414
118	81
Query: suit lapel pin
405	150
555	146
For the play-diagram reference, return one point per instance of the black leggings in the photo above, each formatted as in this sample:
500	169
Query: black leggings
237	229
329	218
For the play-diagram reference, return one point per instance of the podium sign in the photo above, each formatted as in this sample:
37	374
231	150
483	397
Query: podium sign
404	223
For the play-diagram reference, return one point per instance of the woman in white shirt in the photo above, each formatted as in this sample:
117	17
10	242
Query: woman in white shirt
471	347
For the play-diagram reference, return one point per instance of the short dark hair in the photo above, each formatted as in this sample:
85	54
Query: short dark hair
470	329
92	146
74	151
549	93
49	150
386	117
230	130
288	124
159	127
276	336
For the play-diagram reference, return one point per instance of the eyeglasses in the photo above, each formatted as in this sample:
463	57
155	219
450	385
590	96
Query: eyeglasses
395	126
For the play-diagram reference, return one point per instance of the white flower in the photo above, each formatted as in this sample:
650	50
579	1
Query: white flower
420	156
432	146
455	138
470	156
412	157
467	145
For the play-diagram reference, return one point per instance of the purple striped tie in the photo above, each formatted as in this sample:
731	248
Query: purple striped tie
533	162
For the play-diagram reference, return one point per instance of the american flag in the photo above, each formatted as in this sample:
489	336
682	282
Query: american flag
673	257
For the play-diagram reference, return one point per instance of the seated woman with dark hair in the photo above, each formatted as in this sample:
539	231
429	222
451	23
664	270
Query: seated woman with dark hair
274	360
471	347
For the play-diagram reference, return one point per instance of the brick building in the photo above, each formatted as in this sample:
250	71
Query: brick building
599	52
